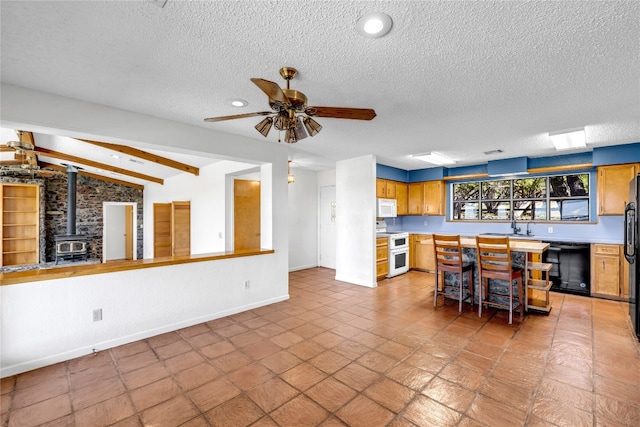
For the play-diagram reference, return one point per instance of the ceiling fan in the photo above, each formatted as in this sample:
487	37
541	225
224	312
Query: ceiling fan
290	112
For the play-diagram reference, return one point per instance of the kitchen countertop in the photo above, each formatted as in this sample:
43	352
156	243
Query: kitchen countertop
545	238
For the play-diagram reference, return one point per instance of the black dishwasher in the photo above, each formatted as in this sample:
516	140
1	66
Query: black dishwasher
571	268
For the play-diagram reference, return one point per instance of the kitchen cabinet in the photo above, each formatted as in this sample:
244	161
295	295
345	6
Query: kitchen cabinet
382	257
20	236
613	187
385	189
426	198
402	198
423	254
433	198
415	202
608	271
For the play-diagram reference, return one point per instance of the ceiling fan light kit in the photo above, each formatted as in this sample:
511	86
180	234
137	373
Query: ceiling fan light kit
290	112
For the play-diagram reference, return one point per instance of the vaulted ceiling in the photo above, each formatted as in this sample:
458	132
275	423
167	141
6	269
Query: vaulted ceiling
459	78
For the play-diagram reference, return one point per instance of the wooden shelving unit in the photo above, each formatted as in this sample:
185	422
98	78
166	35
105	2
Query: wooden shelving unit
20	235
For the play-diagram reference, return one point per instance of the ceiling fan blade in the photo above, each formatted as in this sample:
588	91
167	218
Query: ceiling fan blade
272	90
237	116
342	113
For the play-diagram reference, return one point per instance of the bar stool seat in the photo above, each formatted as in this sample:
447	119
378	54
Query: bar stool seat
494	262
449	258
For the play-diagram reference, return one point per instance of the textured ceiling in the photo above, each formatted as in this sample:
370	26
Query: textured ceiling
458	78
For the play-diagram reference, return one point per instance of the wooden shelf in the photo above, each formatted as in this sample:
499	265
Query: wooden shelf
20	235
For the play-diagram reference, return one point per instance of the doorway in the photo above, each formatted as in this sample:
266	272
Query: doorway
246	214
119	235
327	253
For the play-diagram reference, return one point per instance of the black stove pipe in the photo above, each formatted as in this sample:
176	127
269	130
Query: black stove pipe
72	175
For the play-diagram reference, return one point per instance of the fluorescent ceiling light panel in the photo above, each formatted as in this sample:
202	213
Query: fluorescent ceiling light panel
434	158
567	140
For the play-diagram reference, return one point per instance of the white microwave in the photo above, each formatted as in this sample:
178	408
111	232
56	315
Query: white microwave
386	208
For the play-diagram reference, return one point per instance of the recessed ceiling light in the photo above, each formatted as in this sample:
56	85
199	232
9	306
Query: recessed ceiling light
374	24
115	156
434	158
237	102
568	139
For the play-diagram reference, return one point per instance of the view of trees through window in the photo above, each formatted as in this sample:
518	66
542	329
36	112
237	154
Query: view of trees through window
550	198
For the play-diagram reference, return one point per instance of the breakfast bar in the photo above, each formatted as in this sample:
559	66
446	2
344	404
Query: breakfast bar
521	251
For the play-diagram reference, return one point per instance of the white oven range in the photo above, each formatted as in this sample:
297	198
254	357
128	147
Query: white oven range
398	249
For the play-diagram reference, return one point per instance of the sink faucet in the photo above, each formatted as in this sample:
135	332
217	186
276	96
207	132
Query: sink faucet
514	226
528	229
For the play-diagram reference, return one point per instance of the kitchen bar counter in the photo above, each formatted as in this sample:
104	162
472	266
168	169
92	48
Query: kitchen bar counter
71	270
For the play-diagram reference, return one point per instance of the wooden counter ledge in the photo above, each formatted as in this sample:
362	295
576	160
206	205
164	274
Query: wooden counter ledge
70	270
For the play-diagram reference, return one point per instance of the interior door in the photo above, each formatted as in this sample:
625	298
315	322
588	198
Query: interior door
181	228
161	230
246	214
328	227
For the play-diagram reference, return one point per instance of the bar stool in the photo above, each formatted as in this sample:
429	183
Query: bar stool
494	262
538	281
449	258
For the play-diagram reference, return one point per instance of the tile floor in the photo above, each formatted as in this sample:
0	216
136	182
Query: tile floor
338	354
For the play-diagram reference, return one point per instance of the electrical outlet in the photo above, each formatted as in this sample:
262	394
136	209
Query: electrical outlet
220	235
247	284
97	314
550	230
425	223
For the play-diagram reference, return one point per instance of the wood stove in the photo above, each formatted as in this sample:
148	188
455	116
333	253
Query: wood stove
71	246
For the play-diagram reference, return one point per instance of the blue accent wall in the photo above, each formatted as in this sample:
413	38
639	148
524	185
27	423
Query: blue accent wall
567	159
429	174
611	155
616	154
388	172
514	165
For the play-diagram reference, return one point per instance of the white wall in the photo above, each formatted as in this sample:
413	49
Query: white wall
303	220
355	220
206	192
46	322
51	321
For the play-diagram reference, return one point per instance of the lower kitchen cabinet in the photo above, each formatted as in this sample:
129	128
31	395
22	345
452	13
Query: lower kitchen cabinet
423	255
382	257
609	274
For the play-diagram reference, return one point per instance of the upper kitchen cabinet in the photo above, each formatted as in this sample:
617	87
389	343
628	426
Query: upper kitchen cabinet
426	198
434	198
415	203
385	189
402	198
613	187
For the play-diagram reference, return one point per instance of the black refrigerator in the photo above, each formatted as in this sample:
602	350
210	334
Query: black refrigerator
631	250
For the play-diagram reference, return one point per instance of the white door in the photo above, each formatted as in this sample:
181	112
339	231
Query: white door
118	233
328	212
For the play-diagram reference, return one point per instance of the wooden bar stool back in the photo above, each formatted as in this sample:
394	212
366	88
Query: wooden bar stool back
449	258
494	262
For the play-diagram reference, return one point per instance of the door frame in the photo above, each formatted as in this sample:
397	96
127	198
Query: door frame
105	226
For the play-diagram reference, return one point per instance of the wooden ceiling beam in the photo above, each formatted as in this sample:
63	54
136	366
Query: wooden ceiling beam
6	148
81	161
130	151
63	170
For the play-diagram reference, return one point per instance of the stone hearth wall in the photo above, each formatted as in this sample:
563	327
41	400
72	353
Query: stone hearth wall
91	194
